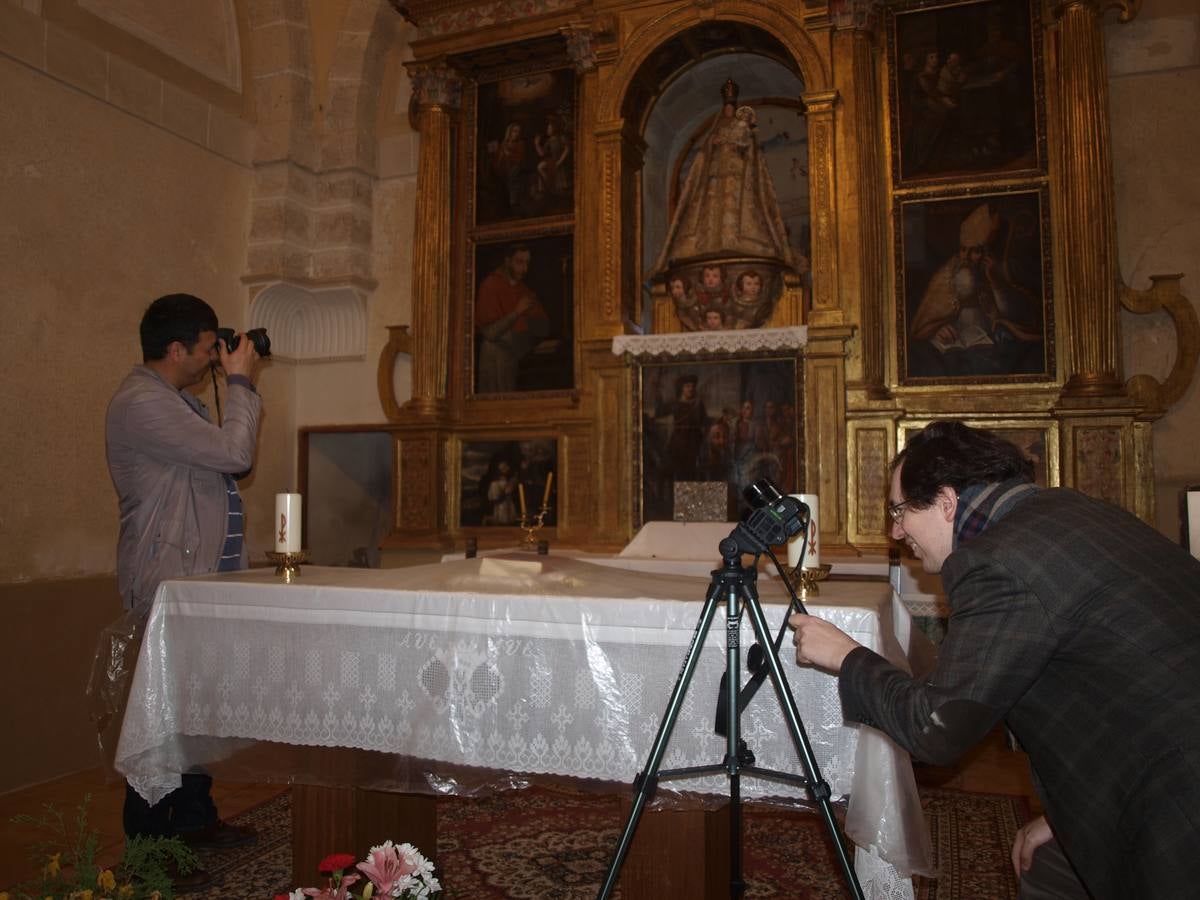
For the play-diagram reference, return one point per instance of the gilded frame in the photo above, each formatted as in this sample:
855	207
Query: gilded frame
974	292
770	443
968	95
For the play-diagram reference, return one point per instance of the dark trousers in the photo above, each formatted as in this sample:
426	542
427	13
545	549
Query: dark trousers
186	808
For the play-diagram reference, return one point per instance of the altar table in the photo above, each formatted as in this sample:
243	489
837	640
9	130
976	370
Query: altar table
508	664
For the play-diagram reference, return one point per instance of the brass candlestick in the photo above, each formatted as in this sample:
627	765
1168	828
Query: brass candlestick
532	526
807	579
287	565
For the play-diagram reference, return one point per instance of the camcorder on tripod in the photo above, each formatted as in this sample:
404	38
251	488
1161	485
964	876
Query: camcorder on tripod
772	520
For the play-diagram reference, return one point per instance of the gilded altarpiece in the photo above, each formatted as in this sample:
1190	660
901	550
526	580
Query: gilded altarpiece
570	91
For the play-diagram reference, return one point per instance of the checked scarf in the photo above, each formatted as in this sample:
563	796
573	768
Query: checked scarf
982	504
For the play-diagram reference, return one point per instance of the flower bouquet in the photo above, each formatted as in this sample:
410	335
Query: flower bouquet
391	870
67	851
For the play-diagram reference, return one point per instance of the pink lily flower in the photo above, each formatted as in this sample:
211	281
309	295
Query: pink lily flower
386	867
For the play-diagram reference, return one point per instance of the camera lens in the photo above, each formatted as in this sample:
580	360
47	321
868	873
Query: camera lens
761	493
262	343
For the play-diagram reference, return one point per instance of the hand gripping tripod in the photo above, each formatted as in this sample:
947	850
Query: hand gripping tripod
735	585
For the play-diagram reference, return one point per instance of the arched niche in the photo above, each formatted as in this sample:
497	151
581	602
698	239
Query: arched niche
665	47
679	46
312	325
683	113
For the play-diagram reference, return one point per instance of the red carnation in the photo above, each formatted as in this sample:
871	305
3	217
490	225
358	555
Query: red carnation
335	863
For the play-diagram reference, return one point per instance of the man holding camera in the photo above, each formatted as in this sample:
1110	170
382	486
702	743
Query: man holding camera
1077	624
181	514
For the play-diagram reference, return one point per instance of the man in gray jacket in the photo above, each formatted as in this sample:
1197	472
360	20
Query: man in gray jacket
1077	624
181	514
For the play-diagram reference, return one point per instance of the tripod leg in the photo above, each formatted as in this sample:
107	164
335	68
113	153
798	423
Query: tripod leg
733	668
649	776
818	787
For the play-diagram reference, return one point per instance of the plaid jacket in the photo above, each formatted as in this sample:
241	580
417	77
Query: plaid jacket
1080	626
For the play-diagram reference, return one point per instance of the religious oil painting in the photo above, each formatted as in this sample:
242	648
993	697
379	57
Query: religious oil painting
966	89
501	480
974	297
522	317
729	423
525	147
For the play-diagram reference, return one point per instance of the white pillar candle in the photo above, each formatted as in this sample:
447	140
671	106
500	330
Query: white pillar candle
812	553
287	523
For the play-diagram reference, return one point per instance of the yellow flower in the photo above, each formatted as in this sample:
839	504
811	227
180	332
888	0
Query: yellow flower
4	895
125	891
106	880
54	866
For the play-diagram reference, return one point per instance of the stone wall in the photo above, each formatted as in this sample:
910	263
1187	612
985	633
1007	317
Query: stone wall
1154	91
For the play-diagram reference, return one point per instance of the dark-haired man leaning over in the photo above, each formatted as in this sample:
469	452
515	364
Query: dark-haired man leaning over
180	510
1078	625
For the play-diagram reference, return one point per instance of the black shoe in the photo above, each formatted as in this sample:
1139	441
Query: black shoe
219	835
195	880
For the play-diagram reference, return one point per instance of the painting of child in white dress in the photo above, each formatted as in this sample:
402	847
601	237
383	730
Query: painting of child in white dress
498	478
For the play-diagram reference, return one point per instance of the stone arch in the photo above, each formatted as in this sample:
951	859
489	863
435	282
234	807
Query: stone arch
282	80
812	66
369	30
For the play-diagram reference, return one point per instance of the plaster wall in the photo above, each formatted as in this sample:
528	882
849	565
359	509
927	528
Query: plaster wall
345	392
1154	85
103	211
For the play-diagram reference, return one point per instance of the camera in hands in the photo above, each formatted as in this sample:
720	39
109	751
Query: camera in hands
258	337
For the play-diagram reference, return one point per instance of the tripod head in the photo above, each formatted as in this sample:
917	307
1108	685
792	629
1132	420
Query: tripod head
773	519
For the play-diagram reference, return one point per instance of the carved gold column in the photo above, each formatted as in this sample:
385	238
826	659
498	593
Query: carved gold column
1087	262
863	239
826	310
615	191
437	91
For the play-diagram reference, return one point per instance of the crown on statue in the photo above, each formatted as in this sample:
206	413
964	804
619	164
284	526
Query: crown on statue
729	91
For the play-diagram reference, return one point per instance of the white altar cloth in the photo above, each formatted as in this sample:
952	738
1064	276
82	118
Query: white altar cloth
516	663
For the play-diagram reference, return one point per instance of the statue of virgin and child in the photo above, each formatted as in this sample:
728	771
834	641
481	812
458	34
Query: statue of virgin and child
726	247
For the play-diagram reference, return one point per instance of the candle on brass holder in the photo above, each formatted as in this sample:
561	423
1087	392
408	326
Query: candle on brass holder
806	577
531	526
287	565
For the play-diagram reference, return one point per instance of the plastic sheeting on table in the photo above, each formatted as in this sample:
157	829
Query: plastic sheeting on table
479	674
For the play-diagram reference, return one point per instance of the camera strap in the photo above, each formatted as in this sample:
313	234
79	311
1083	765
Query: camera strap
216	394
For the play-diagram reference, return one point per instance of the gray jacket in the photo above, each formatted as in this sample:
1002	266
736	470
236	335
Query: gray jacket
168	463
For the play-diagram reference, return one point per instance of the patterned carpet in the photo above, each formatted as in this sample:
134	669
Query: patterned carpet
553	845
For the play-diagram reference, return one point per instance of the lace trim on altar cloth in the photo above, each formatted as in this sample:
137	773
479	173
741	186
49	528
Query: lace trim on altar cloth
703	343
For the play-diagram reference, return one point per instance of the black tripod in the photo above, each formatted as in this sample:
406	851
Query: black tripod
735	585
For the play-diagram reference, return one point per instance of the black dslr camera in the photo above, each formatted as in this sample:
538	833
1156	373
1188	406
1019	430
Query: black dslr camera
773	518
258	337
